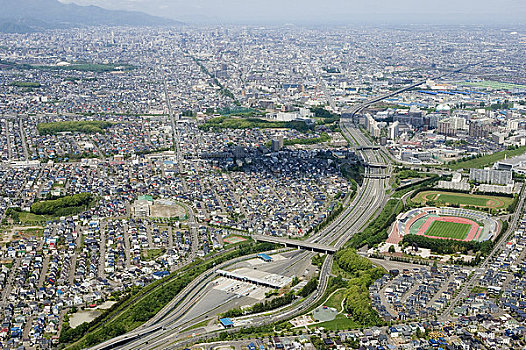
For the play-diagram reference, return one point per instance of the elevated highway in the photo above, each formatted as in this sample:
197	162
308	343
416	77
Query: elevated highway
295	243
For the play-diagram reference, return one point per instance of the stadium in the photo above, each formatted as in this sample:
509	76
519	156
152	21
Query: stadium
445	223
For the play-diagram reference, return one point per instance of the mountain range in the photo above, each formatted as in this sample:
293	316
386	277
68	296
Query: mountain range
23	16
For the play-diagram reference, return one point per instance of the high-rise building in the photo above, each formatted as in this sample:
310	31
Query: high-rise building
491	176
444	128
277	143
393	130
478	129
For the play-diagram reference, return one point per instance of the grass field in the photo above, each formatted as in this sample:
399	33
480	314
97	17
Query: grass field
494	85
469	200
448	230
339	323
336	299
27	218
463	199
151	254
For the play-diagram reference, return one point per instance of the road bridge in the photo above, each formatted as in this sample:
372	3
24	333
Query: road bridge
287	242
365	148
376	176
376	165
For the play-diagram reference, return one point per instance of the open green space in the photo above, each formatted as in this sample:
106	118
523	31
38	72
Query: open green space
324	137
151	254
481	161
448	230
26	84
25	218
341	322
82	126
336	299
220	123
240	111
462	199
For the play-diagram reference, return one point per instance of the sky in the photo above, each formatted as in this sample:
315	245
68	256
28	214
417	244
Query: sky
327	11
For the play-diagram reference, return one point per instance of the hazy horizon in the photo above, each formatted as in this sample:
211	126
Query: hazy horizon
489	12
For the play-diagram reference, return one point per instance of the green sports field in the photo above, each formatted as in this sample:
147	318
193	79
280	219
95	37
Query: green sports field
494	85
463	199
448	230
456	199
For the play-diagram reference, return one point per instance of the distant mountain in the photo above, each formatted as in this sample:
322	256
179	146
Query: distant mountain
22	16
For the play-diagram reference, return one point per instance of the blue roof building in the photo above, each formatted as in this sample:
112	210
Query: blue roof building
265	257
226	322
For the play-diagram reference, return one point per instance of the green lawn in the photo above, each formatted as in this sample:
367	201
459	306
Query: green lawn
339	323
27	218
448	230
466	200
336	299
151	254
494	85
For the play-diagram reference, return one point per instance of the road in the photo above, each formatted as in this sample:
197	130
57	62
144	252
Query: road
370	197
479	272
164	328
175	134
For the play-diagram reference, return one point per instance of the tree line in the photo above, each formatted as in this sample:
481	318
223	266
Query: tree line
262	307
447	246
376	232
82	126
362	272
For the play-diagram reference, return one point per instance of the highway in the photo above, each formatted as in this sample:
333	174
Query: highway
165	327
163	330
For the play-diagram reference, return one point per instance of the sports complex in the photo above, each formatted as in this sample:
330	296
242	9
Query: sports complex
445	223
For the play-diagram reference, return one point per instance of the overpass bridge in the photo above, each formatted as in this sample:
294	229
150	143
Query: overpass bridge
376	165
366	148
376	176
287	242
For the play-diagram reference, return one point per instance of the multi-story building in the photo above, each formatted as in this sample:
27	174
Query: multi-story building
491	176
478	130
393	130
